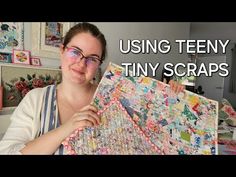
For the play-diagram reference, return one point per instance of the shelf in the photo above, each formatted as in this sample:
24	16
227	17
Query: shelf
27	66
7	110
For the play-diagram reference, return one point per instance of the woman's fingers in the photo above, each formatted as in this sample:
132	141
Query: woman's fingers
89	115
182	87
89	107
176	87
173	86
85	123
179	88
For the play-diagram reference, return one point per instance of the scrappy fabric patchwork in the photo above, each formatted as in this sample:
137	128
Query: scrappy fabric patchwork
227	129
117	134
175	124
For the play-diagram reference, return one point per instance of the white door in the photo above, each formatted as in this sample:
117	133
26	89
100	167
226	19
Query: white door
212	86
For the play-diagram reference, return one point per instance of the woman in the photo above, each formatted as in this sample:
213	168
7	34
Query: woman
46	116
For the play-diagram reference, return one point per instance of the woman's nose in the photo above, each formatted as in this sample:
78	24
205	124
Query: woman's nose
82	62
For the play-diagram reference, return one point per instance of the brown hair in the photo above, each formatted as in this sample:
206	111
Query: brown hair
86	27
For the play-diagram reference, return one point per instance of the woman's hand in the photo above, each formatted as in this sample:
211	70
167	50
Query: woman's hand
49	142
86	117
176	87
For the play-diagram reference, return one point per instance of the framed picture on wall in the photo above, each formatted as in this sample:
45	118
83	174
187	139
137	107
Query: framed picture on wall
11	36
35	61
21	57
5	57
47	37
18	80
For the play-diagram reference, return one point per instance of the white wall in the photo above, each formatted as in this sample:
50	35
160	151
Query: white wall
218	30
47	62
4	124
230	96
169	31
213	30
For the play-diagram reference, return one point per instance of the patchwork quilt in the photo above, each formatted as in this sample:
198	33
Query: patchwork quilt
141	115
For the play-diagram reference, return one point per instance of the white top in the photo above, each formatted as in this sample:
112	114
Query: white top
36	114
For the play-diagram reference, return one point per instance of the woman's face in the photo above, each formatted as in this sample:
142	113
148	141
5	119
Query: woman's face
81	57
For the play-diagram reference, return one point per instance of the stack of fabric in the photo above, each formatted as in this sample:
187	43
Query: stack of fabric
227	129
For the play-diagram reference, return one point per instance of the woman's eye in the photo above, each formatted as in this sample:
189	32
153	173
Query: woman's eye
75	52
92	59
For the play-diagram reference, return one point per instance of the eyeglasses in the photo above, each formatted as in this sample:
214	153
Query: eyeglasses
75	54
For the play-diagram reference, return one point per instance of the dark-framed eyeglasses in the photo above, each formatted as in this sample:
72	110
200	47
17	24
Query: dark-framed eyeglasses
76	55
